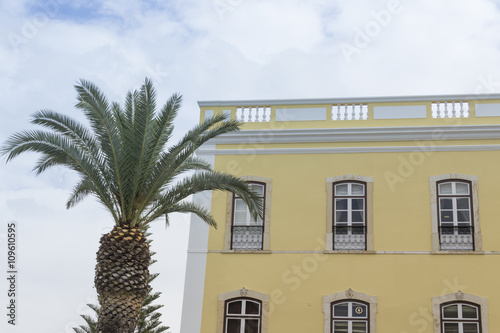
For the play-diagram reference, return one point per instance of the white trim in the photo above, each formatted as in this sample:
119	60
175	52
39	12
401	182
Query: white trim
360	134
196	264
474	180
488	110
350	296
242	293
266	237
351	100
347	150
300	114
368	206
459	297
496	253
400	112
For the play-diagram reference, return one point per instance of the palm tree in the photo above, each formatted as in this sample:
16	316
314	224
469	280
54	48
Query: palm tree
125	161
149	318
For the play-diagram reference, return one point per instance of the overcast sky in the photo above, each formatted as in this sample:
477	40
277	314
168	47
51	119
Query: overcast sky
206	50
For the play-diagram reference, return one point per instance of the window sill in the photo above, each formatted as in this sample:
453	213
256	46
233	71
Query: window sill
457	252
247	251
349	252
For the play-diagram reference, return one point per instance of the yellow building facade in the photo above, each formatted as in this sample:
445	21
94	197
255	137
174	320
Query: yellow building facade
381	215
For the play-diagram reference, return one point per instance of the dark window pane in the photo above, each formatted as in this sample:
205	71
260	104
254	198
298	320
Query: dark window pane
358	204
447	216
357	230
450	327
358	310
469	312
446	203
450	311
341	217
463	203
251	326
358	327
252	308
340	327
464	231
233	326
340	310
463	216
341	230
357	216
341	204
447	231
234	307
471	328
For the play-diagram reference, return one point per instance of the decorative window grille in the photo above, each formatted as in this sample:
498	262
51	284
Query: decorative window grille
460	318
450	109
246	232
349	205
350	112
456	228
242	316
253	114
350	317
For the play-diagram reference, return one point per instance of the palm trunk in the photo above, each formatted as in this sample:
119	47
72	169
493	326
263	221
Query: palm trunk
121	279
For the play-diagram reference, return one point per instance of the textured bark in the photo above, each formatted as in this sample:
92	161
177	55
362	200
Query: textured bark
121	279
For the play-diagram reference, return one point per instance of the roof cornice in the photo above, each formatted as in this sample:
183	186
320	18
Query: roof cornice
361	134
350	100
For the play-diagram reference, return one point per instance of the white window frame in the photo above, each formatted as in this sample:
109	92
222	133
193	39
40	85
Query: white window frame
350	318
474	186
267	217
460	298
349	224
368	182
242	294
461	320
242	317
350	296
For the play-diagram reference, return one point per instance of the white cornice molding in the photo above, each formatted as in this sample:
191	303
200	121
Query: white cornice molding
361	134
351	100
346	150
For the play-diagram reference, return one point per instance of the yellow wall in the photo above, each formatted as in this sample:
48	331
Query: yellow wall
403	283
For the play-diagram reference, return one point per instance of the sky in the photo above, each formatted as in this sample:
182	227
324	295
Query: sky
205	50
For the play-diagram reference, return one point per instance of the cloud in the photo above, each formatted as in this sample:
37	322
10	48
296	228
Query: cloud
216	49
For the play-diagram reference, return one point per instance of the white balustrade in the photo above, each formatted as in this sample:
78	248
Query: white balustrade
450	109
350	112
253	114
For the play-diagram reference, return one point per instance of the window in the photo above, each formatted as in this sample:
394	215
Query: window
243	233
247	233
242	316
349	213
455	218
460	313
242	311
350	317
350	312
460	318
455	213
349	227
